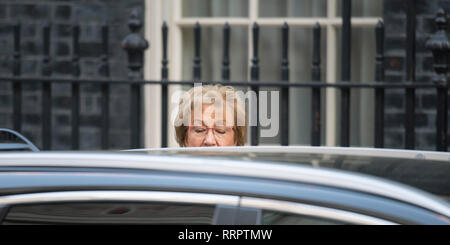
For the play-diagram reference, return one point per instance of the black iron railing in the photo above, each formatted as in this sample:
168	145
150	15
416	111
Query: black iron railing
135	45
410	106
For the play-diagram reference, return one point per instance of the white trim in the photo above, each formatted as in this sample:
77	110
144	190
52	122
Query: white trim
331	93
183	22
175	53
152	70
310	210
148	196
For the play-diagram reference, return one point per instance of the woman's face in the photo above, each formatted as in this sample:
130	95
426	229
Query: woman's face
209	130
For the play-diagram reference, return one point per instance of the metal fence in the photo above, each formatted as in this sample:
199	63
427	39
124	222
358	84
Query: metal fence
135	46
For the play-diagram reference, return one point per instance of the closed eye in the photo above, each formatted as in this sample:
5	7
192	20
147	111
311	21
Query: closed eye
220	131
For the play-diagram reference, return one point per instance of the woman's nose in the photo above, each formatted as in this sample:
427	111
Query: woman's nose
210	139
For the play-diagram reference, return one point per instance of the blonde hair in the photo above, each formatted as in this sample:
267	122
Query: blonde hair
209	94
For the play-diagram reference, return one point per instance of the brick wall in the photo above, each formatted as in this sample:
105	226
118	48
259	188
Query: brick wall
90	15
395	54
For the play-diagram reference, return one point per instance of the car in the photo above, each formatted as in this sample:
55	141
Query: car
251	185
11	140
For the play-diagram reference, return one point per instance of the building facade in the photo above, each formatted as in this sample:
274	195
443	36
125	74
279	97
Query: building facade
181	16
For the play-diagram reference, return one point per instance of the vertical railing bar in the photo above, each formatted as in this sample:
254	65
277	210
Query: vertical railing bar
46	91
105	88
254	76
345	74
135	45
285	90
164	96
410	75
442	113
379	92
316	118
135	115
439	44
17	85
75	89
226	53
197	43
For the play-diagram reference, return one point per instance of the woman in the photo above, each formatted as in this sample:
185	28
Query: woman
211	116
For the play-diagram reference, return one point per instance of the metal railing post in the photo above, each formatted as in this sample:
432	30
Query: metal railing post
105	88
284	110
254	76
135	45
197	72
164	91
46	92
345	74
75	89
17	86
439	45
315	100
379	92
410	75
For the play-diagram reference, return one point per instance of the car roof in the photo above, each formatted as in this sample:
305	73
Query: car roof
289	153
231	167
426	170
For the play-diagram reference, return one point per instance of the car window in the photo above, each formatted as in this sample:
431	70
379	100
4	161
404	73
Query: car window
280	218
110	213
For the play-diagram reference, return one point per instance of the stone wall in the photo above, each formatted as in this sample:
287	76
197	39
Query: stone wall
62	14
395	54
